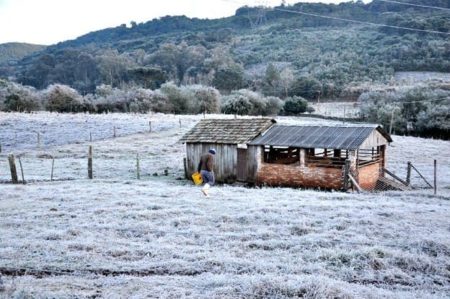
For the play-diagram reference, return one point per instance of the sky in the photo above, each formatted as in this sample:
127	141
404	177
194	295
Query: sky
50	21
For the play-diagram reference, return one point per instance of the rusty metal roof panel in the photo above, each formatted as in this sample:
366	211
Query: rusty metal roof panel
227	131
333	137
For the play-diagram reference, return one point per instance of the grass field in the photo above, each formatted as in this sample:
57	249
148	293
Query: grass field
119	237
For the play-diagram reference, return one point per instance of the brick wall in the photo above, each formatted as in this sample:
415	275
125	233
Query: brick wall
294	175
368	176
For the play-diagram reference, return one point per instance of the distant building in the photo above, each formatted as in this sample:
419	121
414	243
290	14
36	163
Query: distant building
259	151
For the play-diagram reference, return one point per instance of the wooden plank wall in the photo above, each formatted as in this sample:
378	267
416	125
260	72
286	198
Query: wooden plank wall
225	159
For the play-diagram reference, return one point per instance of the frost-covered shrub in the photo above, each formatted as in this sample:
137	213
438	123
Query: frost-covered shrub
15	97
62	98
295	105
207	99
245	101
181	98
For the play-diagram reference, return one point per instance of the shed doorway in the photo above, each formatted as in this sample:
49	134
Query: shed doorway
241	164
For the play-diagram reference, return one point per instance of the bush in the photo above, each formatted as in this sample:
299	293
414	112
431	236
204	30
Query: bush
295	106
245	101
62	98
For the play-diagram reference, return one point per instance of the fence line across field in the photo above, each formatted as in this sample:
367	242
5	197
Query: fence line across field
414	178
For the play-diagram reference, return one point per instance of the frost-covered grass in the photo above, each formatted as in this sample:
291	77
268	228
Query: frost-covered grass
117	237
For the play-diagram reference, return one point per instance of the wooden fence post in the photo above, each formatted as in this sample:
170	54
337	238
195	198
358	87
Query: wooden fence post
408	174
90	174
150	126
114	134
138	169
12	167
179	120
53	166
21	170
346	173
435	177
0	148
38	140
90	136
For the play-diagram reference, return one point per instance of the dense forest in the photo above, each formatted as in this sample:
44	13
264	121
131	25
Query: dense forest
276	56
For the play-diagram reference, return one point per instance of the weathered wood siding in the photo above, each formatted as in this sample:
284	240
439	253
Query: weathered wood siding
225	160
254	159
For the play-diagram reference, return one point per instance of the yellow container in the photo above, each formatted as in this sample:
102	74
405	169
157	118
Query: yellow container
197	178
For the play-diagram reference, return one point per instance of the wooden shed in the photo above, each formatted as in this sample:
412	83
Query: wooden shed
234	161
320	156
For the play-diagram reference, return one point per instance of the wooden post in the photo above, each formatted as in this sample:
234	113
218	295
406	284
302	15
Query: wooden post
0	148
150	126
15	138
185	168
138	170
179	120
12	167
90	136
38	140
90	175
114	133
53	167
392	121
21	170
435	176
346	173
408	174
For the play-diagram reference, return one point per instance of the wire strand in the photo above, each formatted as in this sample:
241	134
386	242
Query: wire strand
417	5
360	22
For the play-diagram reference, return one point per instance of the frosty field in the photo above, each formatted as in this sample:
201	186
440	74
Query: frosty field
119	237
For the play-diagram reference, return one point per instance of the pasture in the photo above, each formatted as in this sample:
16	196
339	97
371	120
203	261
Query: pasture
119	237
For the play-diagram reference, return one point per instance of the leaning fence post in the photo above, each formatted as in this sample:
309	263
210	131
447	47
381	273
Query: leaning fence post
346	173
408	174
90	176
12	167
138	169
21	170
435	176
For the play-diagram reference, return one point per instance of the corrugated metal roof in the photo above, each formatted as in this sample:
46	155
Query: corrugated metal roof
227	131
317	136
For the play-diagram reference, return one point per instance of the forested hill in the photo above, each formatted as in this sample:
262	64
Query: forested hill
257	48
12	52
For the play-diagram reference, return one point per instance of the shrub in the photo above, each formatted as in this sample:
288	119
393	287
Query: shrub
295	106
62	98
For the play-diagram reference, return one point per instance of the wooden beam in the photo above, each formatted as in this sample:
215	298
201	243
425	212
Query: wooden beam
395	177
358	188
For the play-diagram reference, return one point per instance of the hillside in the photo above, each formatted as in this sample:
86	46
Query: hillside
12	52
257	48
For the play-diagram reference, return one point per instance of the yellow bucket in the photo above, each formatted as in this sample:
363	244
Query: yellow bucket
197	178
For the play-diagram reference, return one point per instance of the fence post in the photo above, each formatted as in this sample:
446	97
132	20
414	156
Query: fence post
21	170
114	134
391	123
346	173
12	167
138	169
435	176
0	148
90	176
179	120
408	174
53	166
38	140
150	126
90	136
